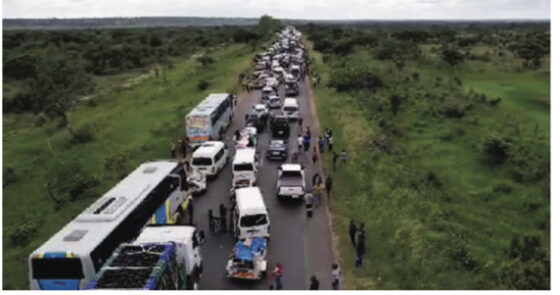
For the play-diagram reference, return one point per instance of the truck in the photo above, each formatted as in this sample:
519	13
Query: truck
248	260
291	181
161	258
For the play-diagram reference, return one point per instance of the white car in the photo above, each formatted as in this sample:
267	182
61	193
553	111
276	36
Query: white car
261	110
291	181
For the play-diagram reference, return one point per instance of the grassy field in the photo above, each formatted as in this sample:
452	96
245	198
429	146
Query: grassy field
125	126
438	213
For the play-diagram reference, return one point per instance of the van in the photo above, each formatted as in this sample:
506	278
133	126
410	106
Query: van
250	214
245	168
290	108
210	158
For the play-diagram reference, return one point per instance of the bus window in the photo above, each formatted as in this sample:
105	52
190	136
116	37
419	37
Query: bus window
57	268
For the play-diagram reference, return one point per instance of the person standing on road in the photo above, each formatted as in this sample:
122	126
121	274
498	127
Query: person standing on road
223	213
306	142
315	179
315	156
314	283
211	222
300	125
328	186
334	160
300	142
336	276
321	144
308	199
352	229
308	132
317	190
190	209
360	251
278	275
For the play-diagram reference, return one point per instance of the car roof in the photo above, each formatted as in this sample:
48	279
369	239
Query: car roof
291	167
290	101
208	148
250	200
246	155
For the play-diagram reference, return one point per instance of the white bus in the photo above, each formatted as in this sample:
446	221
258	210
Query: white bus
210	118
70	259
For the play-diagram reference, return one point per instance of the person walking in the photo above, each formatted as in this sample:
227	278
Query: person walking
300	125
321	144
331	141
190	209
300	142
360	251
352	229
278	275
308	132
223	222
315	156
172	150
211	222
334	160
314	283
317	190
315	179
344	155
308	199
328	186
336	276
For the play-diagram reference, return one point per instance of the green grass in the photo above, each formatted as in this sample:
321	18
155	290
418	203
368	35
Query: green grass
140	121
421	236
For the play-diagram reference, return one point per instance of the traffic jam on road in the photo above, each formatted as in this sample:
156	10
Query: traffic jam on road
141	234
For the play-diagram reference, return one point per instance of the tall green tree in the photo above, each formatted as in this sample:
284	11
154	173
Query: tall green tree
58	84
268	25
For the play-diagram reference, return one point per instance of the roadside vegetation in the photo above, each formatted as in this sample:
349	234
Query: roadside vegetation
448	132
83	108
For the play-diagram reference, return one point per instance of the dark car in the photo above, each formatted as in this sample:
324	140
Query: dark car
292	92
274	102
277	150
255	120
280	125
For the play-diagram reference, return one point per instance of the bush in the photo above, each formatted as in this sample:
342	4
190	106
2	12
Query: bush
360	78
205	60
120	164
24	232
69	182
452	109
83	134
202	85
496	149
9	176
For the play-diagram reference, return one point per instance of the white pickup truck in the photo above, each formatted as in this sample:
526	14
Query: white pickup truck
291	181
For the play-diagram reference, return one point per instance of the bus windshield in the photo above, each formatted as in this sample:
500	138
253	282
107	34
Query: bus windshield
253	220
243	167
57	268
201	161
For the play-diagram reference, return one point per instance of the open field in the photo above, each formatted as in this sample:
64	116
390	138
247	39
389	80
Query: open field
440	213
125	126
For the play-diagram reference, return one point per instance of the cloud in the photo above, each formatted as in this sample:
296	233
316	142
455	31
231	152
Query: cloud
301	9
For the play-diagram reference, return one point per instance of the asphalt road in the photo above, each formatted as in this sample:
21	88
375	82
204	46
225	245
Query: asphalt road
303	245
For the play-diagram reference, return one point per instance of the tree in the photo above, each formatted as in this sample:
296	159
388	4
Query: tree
268	25
59	82
396	101
205	60
532	49
452	56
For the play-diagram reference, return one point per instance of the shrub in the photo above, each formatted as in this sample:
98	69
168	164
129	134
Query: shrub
202	85
9	176
69	182
120	164
82	134
24	232
496	149
433	180
452	109
355	78
494	102
205	60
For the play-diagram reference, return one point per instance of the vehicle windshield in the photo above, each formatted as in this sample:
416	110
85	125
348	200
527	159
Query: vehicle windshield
243	167
290	109
253	220
286	174
202	161
57	268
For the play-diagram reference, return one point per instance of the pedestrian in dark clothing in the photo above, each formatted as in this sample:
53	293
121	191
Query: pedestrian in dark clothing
223	213
172	151
328	185
190	210
278	275
315	155
321	144
314	283
360	251
308	131
352	231
306	142
184	148
202	237
300	125
315	178
362	232
330	139
231	220
211	222
334	160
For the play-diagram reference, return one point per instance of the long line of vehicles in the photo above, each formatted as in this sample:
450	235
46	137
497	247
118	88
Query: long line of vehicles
131	237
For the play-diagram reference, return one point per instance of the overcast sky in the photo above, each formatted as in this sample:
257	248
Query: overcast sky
300	9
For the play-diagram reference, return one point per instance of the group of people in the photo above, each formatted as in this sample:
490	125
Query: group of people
278	277
219	223
358	239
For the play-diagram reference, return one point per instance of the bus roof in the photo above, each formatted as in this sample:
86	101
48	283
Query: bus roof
208	149
208	105
246	155
81	235
166	233
249	199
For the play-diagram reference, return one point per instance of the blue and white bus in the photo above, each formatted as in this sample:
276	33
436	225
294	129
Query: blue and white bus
156	192
210	118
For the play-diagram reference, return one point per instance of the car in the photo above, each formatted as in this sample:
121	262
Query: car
261	110
247	138
253	119
292	91
274	102
291	181
277	150
280	125
266	92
